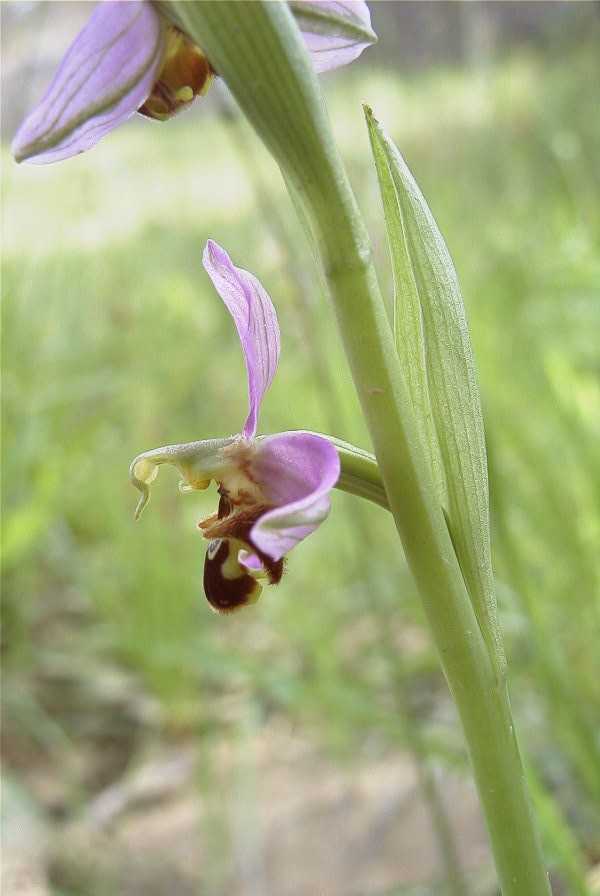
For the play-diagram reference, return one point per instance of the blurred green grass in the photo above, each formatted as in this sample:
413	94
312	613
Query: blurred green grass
114	342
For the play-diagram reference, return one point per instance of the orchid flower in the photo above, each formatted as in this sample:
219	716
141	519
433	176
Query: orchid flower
129	58
273	490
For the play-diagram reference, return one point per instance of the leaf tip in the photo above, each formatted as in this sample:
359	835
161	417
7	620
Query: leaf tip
368	111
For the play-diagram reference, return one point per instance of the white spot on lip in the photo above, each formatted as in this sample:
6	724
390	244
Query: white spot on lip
213	548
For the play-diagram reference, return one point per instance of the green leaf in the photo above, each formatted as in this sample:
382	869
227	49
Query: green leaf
432	340
407	316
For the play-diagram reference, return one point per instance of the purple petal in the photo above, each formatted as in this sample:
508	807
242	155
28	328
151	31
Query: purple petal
105	76
296	471
335	31
255	320
250	561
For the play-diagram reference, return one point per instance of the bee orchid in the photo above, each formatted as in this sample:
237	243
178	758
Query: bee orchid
130	58
273	490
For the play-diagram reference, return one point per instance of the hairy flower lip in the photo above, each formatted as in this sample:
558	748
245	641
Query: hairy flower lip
227	585
235	524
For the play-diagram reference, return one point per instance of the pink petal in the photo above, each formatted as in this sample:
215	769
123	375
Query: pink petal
105	76
250	561
255	320
296	471
335	31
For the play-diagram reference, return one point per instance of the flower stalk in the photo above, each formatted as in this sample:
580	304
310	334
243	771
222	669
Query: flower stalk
257	49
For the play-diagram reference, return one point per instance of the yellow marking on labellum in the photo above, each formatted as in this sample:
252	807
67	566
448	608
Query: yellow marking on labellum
184	95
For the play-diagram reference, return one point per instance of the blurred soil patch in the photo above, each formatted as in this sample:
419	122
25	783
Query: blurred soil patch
284	820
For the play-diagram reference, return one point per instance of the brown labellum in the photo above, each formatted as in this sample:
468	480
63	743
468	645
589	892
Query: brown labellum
227	583
226	593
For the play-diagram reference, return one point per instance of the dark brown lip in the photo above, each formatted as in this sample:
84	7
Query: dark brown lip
232	523
226	595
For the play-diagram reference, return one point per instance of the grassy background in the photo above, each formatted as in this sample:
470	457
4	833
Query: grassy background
114	342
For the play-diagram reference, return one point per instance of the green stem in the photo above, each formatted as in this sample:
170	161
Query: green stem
359	476
481	698
359	473
257	49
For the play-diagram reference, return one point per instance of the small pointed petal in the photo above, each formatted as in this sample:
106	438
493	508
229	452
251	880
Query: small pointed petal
296	472
250	561
335	31
255	320
105	76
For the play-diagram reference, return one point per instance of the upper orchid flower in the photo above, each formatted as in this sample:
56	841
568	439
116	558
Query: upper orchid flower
274	490
129	58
